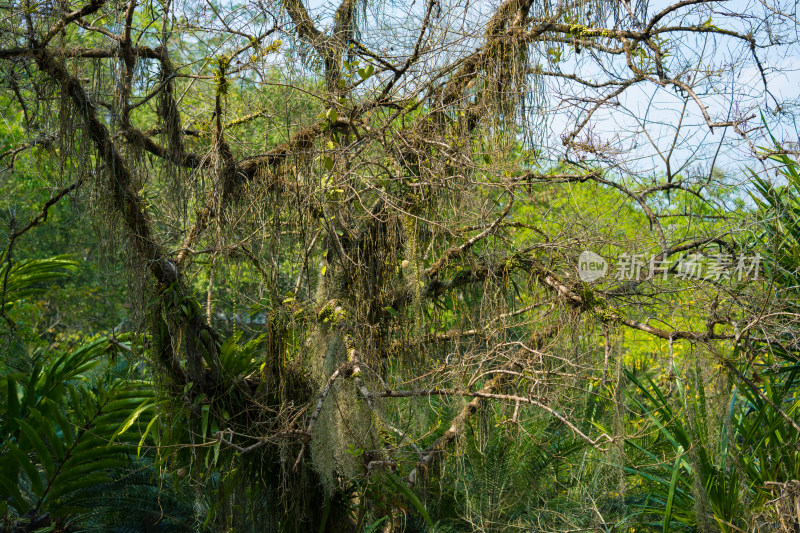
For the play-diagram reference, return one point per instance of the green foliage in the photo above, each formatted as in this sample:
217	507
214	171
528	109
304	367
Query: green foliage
768	442
686	476
780	214
26	278
358	225
64	424
682	465
63	429
138	498
507	478
410	496
239	359
684	472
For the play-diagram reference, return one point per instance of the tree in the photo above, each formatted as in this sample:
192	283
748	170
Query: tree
384	192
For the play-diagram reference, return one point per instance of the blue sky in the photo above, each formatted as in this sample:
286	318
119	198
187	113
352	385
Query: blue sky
644	123
649	126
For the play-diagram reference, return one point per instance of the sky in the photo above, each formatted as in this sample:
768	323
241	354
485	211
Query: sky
736	89
650	129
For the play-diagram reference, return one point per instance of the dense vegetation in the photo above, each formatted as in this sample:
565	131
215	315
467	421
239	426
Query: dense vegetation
278	267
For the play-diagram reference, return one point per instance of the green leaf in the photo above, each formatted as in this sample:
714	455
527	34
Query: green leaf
26	277
27	467
14	410
216	451
32	436
328	163
30	390
66	427
366	72
144	406
672	484
80	483
73	472
10	490
144	435
204	424
374	526
412	498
